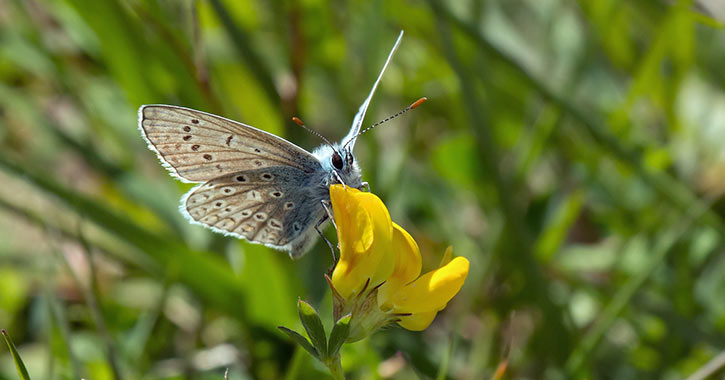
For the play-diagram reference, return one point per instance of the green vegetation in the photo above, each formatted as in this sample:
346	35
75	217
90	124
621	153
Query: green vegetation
573	151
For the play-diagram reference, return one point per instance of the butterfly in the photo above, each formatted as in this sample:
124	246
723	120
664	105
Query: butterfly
254	185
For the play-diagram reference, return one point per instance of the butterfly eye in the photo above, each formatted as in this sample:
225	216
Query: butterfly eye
337	161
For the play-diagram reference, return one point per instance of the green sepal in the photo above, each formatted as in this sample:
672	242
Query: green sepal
302	341
22	372
338	302
339	334
313	325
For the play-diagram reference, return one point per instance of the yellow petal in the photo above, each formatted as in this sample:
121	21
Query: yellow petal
407	265
380	256
355	235
364	230
433	290
408	261
417	321
351	220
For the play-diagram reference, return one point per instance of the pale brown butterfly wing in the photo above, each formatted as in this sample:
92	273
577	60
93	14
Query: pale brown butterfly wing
257	186
197	146
270	206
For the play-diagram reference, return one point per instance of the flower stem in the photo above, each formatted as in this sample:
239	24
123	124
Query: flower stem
335	367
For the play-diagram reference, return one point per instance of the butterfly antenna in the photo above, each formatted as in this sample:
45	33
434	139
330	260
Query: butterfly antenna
301	124
410	107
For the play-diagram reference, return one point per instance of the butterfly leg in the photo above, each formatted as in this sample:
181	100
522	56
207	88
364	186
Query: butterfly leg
366	185
317	228
326	206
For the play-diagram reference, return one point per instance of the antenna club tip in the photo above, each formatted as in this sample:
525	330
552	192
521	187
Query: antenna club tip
297	120
418	102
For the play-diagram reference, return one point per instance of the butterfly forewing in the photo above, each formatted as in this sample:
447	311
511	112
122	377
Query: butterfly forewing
269	206
197	146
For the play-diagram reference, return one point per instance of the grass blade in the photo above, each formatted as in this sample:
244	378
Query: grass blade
239	39
668	187
515	234
189	267
22	372
622	298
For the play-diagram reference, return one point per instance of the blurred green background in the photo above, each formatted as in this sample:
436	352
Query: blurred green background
574	151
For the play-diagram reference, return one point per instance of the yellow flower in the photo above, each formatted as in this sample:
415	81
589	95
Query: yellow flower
365	233
376	278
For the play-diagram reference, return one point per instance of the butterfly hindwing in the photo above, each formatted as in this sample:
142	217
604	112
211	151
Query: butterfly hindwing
198	146
273	206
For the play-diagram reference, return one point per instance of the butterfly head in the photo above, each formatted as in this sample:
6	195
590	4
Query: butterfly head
340	164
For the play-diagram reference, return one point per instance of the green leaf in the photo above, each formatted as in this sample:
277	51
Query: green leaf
313	325
454	159
22	372
339	334
299	339
557	227
240	41
165	252
261	267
